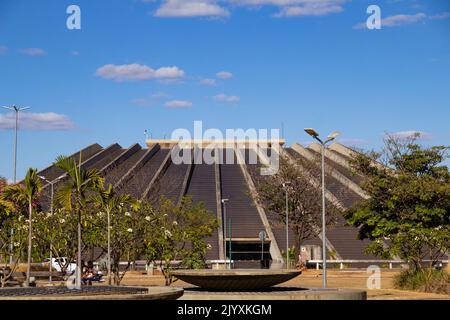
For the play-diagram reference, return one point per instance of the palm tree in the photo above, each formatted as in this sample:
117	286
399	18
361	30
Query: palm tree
108	201
32	189
21	194
73	195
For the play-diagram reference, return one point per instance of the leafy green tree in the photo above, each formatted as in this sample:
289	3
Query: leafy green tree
6	206
304	199
26	193
59	229
18	238
175	233
408	212
113	205
10	212
73	195
32	190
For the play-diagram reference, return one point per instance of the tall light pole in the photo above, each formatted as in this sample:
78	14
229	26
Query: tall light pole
52	184
313	133
285	184
224	225
16	109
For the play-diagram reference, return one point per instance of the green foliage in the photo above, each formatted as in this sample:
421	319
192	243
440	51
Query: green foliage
177	232
408	212
6	206
304	199
73	195
163	234
425	280
19	240
125	228
59	229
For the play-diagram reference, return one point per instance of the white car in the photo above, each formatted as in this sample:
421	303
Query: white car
63	261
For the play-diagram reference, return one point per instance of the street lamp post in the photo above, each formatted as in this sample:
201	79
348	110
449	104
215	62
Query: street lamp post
52	184
313	133
224	225
230	235
285	184
16	109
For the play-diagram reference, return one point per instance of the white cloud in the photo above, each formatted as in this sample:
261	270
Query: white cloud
441	16
176	104
137	72
320	9
33	51
3	49
191	8
410	134
294	8
404	19
224	98
401	19
208	82
224	75
220	8
36	121
283	3
169	73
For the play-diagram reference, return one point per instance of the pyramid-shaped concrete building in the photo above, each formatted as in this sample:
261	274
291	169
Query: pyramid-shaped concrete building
150	172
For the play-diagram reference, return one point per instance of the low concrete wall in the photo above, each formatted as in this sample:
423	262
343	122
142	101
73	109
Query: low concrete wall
281	294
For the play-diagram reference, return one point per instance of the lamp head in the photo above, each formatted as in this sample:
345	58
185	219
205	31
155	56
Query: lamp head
333	135
313	133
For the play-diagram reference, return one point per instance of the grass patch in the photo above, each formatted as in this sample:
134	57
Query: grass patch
426	280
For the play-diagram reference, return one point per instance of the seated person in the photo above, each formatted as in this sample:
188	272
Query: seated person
89	274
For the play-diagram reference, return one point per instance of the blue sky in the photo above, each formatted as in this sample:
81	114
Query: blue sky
160	65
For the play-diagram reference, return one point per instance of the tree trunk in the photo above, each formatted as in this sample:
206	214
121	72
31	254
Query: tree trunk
79	266
30	233
109	246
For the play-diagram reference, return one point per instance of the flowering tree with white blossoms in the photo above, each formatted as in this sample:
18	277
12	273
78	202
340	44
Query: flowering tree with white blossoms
174	235
125	235
59	229
19	240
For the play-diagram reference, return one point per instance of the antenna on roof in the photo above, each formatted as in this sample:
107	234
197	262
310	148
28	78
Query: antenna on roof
146	134
282	130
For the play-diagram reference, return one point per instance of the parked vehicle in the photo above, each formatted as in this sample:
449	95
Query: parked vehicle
62	262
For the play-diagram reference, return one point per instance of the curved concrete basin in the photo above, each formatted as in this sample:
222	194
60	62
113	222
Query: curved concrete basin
235	280
92	293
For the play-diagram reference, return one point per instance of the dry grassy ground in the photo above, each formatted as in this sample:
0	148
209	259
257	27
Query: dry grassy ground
356	279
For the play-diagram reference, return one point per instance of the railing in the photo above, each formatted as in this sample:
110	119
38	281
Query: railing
342	263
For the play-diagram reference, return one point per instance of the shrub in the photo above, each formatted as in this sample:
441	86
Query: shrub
425	280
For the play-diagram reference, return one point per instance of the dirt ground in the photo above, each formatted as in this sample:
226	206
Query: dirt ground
352	279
